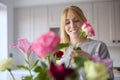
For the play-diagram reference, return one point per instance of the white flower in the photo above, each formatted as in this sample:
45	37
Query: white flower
96	71
6	64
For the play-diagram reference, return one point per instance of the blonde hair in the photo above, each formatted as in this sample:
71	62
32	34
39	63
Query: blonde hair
78	13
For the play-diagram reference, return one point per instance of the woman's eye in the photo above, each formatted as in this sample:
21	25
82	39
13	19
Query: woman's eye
67	22
77	20
74	21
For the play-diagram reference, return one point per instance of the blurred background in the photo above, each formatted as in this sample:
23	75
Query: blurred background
32	18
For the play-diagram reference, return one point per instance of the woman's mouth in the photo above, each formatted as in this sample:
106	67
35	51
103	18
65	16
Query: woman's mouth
73	31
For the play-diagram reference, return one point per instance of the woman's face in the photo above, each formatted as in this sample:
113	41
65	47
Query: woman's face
72	25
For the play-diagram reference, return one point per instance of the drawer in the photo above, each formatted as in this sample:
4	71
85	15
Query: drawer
117	76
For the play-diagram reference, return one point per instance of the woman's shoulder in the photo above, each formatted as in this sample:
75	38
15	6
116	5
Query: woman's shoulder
92	41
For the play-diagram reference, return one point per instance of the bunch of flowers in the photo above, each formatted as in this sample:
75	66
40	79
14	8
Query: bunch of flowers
47	48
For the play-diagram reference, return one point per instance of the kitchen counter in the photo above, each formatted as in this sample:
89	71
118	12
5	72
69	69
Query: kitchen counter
116	73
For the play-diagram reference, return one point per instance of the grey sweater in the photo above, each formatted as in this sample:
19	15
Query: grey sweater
91	47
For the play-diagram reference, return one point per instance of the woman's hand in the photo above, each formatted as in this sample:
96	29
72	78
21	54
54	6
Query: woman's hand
80	53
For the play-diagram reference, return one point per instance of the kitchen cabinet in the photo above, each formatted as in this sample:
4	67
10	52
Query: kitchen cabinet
22	23
29	23
54	14
39	21
116	27
104	21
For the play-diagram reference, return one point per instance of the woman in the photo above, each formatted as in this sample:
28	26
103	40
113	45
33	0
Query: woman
71	21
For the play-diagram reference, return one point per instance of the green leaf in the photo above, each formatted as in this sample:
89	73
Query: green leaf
36	62
79	60
43	64
22	67
62	45
42	76
38	69
42	73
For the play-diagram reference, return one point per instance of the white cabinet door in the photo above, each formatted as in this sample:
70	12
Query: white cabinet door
22	24
116	28
30	22
104	21
39	21
54	14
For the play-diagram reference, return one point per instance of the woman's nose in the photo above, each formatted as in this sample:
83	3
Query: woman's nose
72	24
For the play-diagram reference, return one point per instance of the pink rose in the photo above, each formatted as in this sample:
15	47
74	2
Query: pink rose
87	28
46	43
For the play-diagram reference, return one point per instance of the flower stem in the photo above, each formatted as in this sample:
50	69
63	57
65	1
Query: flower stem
29	68
11	74
69	64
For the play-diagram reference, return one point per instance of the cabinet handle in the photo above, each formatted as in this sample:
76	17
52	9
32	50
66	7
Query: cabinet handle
118	41
113	41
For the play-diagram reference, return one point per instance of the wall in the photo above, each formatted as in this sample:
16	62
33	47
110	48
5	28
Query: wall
23	3
10	29
3	34
6	33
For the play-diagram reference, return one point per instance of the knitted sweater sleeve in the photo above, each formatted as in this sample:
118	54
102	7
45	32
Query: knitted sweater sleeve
104	53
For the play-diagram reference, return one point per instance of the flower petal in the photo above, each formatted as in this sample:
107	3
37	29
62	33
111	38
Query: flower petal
88	29
60	72
46	43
